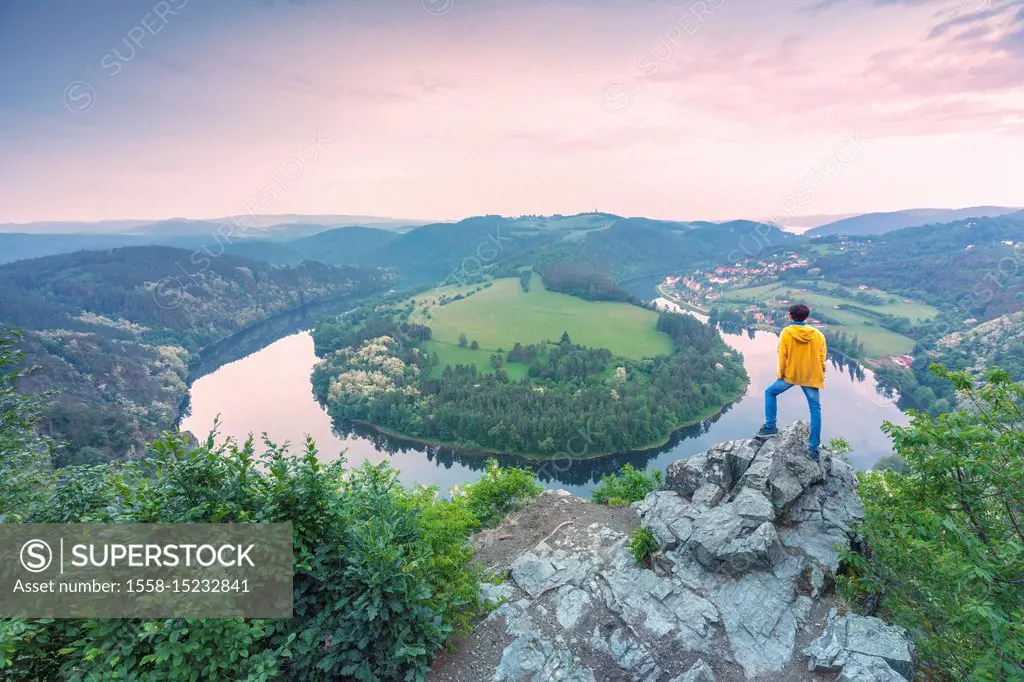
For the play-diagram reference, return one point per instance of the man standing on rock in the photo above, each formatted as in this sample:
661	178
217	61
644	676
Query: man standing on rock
801	363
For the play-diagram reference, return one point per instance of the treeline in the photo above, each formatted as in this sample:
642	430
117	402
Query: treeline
578	401
840	341
575	279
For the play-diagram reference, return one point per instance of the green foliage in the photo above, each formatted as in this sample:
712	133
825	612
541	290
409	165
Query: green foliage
642	545
382	573
946	540
24	454
840	446
626	486
498	492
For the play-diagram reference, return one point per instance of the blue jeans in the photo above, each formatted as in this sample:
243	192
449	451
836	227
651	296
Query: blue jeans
771	408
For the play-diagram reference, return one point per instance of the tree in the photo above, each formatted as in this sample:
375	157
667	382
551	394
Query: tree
25	456
463	340
497	361
945	541
565	340
474	345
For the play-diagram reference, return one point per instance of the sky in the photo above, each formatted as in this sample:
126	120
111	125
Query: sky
443	109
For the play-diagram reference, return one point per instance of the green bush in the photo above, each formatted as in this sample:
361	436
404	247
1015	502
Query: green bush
642	544
498	492
382	573
945	541
629	485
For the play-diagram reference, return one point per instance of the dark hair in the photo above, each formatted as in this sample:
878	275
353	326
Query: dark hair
799	312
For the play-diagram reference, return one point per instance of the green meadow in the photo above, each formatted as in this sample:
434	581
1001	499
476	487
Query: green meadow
500	315
878	341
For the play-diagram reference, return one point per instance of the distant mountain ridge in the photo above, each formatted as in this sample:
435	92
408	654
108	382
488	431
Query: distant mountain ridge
177	226
880	223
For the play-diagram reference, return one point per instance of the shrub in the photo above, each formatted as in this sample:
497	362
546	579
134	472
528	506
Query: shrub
642	544
382	573
498	492
945	542
629	485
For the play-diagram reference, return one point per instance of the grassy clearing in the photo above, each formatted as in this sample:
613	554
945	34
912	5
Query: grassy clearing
878	341
502	314
913	310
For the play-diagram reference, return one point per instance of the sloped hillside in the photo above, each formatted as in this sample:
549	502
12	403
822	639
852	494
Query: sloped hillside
113	332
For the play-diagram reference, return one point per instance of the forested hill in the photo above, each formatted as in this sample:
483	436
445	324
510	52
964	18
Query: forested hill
881	223
114	331
161	290
611	246
975	266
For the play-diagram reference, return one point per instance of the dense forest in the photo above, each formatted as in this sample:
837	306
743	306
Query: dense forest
635	247
973	268
577	279
114	332
574	401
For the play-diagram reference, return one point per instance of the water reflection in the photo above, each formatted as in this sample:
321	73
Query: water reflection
262	385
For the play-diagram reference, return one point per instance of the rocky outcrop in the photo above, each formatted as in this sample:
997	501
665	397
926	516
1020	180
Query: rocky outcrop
862	648
748	535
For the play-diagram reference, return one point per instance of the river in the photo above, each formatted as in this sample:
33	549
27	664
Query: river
268	391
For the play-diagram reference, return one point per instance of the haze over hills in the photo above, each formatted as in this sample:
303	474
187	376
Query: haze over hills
178	225
880	223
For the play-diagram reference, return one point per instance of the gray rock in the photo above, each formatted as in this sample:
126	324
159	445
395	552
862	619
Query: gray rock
687	475
739	454
792	472
816	542
708	495
753	506
760	617
662	607
571	604
528	659
850	634
750	533
668	515
722	540
861	668
496	593
628	652
713	531
544	569
760	549
698	672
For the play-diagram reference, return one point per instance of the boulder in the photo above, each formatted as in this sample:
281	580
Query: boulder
850	639
861	668
545	568
698	672
668	516
708	495
528	659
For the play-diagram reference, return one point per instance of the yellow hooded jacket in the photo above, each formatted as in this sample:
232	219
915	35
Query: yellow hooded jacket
802	356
